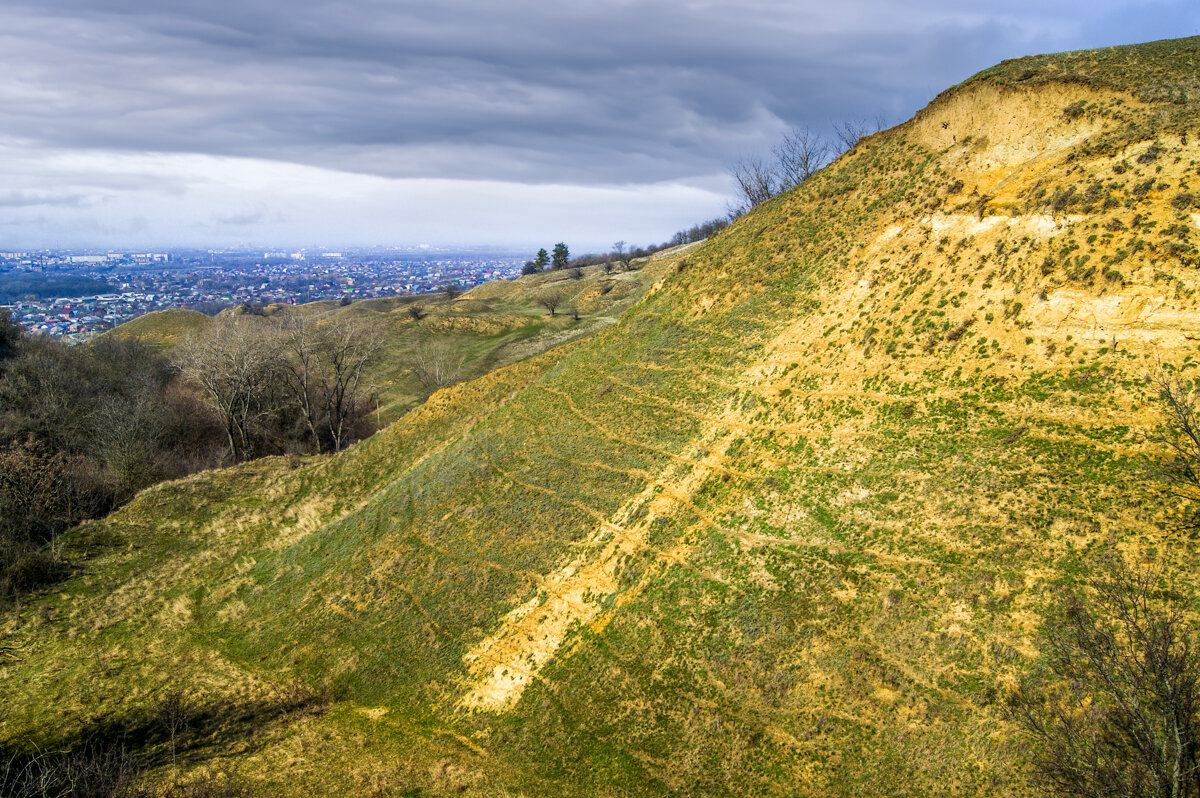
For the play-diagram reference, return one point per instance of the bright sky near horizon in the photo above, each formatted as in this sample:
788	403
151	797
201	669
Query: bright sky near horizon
131	123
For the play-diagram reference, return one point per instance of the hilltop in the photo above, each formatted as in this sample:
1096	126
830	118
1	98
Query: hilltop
786	525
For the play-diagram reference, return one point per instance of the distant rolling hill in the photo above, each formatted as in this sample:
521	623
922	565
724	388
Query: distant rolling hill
161	329
786	527
497	324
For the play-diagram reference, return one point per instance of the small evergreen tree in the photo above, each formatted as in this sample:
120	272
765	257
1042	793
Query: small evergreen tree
561	255
542	260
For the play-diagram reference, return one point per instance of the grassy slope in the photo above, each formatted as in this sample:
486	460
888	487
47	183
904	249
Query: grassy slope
495	325
786	527
161	329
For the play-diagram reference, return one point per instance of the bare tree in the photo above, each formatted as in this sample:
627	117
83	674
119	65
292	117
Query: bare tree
850	132
126	438
417	311
347	349
175	715
235	368
436	362
300	372
1115	708
623	257
550	299
756	183
798	156
324	374
1180	434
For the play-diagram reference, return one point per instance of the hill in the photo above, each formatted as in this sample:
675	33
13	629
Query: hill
161	329
788	526
495	325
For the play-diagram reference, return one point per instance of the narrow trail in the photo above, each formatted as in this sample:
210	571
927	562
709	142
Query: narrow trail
504	664
689	372
438	636
530	635
720	467
384	566
731	423
612	435
628	536
684	500
729	705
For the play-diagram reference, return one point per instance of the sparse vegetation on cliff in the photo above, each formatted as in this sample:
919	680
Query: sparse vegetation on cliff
789	519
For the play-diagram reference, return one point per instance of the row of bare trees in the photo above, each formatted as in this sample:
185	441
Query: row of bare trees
262	380
797	157
82	429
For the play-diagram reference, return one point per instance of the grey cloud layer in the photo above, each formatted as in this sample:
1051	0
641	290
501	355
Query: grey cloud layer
131	122
599	92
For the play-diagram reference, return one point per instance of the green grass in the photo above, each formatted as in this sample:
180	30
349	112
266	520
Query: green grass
161	329
835	555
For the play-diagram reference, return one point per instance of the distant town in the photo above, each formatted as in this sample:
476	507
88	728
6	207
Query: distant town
74	295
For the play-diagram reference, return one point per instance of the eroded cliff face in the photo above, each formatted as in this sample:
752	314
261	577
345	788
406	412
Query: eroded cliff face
938	334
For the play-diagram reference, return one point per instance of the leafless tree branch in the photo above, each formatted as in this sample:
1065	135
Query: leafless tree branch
1115	706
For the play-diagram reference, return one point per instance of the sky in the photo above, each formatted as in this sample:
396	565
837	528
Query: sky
159	123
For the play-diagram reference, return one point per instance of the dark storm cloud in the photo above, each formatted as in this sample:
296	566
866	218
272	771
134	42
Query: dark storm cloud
597	92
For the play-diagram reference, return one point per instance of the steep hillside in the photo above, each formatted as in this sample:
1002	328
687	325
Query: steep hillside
786	527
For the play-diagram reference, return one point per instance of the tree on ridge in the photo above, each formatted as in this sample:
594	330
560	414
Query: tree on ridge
562	256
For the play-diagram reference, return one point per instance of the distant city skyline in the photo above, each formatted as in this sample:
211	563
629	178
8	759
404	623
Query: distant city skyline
134	124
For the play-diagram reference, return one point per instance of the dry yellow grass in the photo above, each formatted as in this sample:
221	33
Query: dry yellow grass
786	524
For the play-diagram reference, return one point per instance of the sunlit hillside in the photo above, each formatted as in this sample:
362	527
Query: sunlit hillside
785	525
